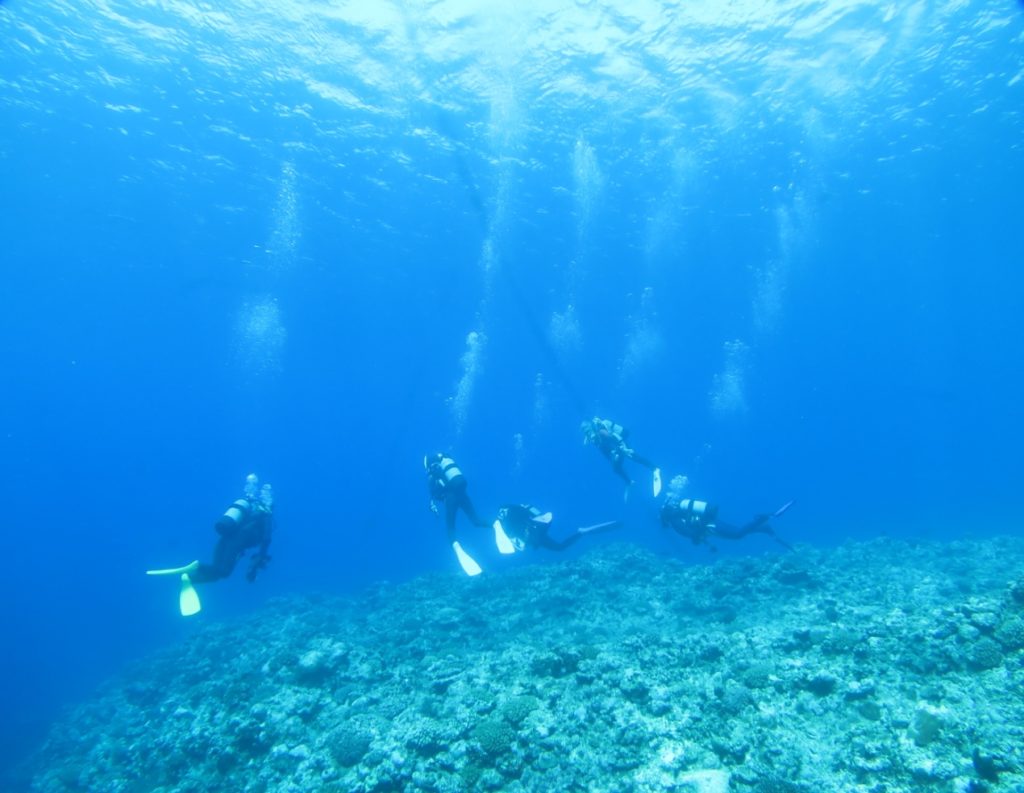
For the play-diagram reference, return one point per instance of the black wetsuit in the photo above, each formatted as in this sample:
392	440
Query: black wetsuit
518	522
448	484
613	446
253	531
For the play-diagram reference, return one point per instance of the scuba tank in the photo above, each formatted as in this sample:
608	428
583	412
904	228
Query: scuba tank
234	516
693	506
696	511
442	466
255	499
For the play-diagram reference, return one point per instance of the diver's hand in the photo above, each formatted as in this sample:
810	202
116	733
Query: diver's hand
258	563
433	507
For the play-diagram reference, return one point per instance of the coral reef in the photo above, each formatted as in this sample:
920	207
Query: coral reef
878	667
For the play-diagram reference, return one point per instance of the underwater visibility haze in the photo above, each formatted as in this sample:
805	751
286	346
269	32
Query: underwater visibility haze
778	241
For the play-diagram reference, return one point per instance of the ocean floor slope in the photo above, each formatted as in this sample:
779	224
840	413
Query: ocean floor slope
878	667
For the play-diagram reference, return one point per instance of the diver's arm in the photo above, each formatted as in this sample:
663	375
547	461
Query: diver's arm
261	558
268	534
436	493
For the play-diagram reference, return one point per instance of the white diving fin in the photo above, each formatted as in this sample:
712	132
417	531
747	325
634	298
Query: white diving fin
188	598
191	567
611	524
469	565
657	482
501	539
782	509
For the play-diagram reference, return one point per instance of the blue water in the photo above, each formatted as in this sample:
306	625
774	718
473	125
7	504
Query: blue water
779	241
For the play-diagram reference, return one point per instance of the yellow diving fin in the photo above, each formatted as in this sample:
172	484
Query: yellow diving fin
188	598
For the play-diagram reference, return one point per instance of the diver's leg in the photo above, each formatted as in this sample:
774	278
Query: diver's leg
636	458
759	525
451	507
655	471
225	556
558	545
470	510
727	531
459	499
620	469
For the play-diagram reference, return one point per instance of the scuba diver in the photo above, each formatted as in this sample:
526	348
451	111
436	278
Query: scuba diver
247	523
610	439
519	525
698	520
447	484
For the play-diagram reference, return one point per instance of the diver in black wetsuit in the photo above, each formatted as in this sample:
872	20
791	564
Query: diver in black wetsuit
698	520
610	439
247	523
448	485
524	524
